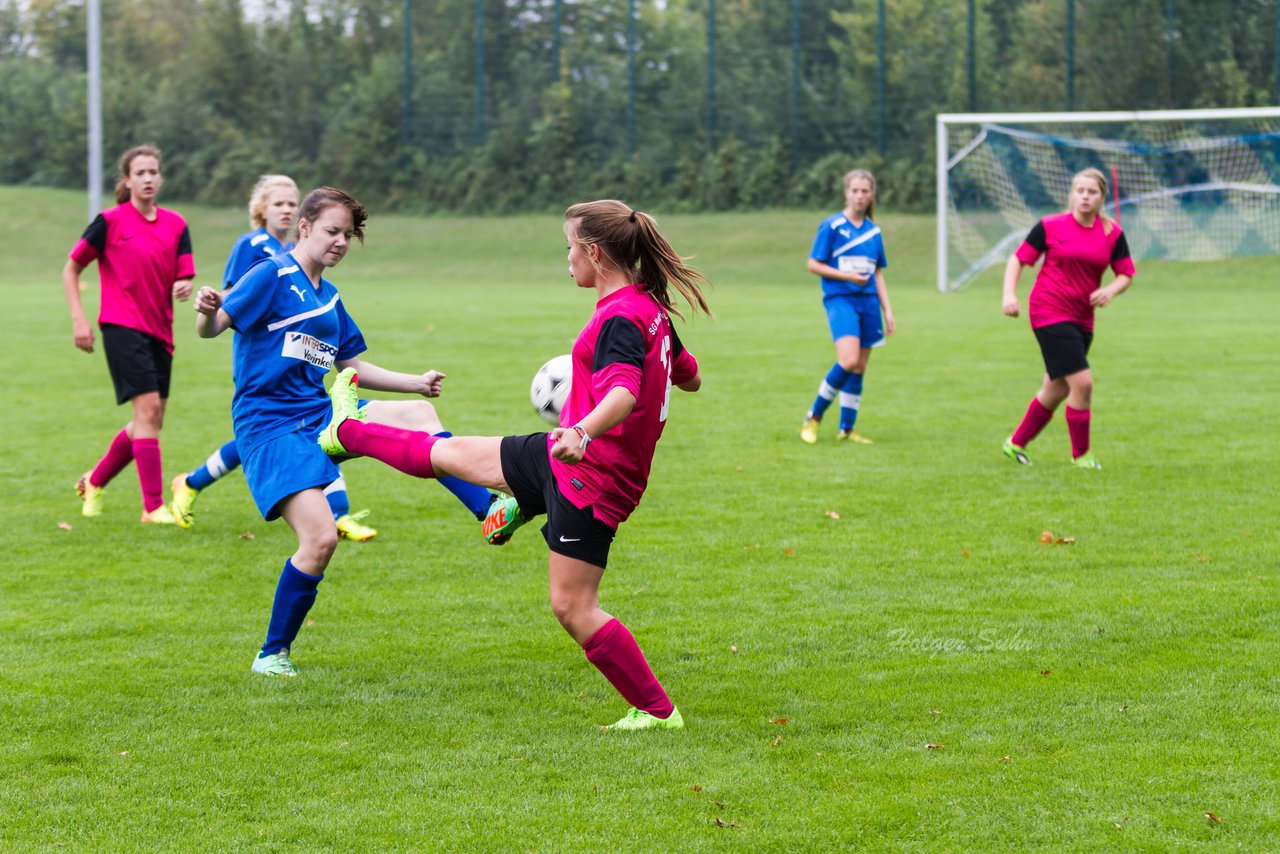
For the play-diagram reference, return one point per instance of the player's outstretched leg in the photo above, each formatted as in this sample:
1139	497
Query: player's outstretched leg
503	519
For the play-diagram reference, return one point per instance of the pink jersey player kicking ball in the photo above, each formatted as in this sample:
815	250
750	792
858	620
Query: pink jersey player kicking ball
588	474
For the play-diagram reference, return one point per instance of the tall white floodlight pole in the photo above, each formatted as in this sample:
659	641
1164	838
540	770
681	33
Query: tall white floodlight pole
94	50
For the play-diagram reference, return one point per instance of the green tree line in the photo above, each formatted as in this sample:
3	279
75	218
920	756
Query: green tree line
514	105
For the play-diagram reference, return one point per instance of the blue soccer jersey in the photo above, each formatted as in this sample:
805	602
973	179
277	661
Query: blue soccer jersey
289	334
849	248
249	250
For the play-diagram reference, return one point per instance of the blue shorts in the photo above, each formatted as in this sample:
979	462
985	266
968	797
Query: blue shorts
858	316
284	466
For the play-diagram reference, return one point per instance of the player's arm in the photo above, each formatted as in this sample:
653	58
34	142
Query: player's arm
1012	272
1122	265
380	379
211	318
1102	296
818	268
882	292
186	267
612	410
81	330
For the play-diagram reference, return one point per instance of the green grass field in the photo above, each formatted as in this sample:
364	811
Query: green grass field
1101	695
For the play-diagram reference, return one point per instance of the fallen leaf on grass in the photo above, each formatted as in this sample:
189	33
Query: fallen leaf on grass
788	552
66	526
248	535
310	622
695	788
964	553
1045	672
1003	759
778	721
737	468
733	649
1046	537
1213	818
1065	541
722	823
934	746
777	739
831	514
935	711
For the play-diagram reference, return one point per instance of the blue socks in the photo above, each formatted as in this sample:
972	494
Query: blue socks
223	460
474	498
833	382
336	494
295	594
850	400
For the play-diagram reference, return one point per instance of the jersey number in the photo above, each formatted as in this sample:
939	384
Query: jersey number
666	363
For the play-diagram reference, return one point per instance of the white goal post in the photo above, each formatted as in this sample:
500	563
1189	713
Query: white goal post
1184	184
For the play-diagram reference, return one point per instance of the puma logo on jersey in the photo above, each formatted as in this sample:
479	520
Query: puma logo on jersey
302	296
845	233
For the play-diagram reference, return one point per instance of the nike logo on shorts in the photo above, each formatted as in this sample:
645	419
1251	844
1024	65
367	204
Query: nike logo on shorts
565	539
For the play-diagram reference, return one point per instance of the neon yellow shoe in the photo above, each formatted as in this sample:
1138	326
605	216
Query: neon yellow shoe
162	515
349	528
184	501
91	496
277	664
636	720
344	395
1017	453
503	519
809	431
853	436
1087	461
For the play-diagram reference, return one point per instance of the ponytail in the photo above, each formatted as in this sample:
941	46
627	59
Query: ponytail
631	240
126	162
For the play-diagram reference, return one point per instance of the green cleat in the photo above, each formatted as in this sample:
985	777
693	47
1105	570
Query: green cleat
635	720
91	496
277	664
1016	453
809	431
350	528
184	501
162	515
502	521
1086	461
345	397
853	436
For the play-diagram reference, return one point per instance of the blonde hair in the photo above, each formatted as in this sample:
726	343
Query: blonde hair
631	240
863	173
126	163
1095	175
258	198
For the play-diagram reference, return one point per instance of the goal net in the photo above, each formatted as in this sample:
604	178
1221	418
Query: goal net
1185	185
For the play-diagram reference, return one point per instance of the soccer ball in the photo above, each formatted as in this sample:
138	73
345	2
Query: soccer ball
550	388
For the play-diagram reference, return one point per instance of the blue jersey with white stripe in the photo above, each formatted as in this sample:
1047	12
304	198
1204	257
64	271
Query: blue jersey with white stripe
248	250
289	334
849	248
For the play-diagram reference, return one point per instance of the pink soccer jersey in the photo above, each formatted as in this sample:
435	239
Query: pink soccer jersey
138	262
1075	259
628	342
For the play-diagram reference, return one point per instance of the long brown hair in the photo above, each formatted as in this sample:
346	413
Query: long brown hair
326	197
1095	175
631	240
126	163
863	173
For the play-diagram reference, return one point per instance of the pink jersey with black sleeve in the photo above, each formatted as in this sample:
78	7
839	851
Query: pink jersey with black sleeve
1075	258
138	262
628	342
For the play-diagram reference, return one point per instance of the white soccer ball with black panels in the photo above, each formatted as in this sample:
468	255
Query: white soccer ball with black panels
550	388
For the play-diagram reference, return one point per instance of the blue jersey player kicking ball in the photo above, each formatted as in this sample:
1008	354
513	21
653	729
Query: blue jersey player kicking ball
273	207
848	253
292	329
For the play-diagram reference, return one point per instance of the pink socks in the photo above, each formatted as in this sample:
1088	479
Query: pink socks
146	453
406	450
118	455
1032	423
616	654
1078	427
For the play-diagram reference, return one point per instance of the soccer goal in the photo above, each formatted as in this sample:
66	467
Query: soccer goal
1185	185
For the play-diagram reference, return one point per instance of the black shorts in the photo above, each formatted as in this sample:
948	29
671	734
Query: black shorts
569	531
1065	347
138	362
